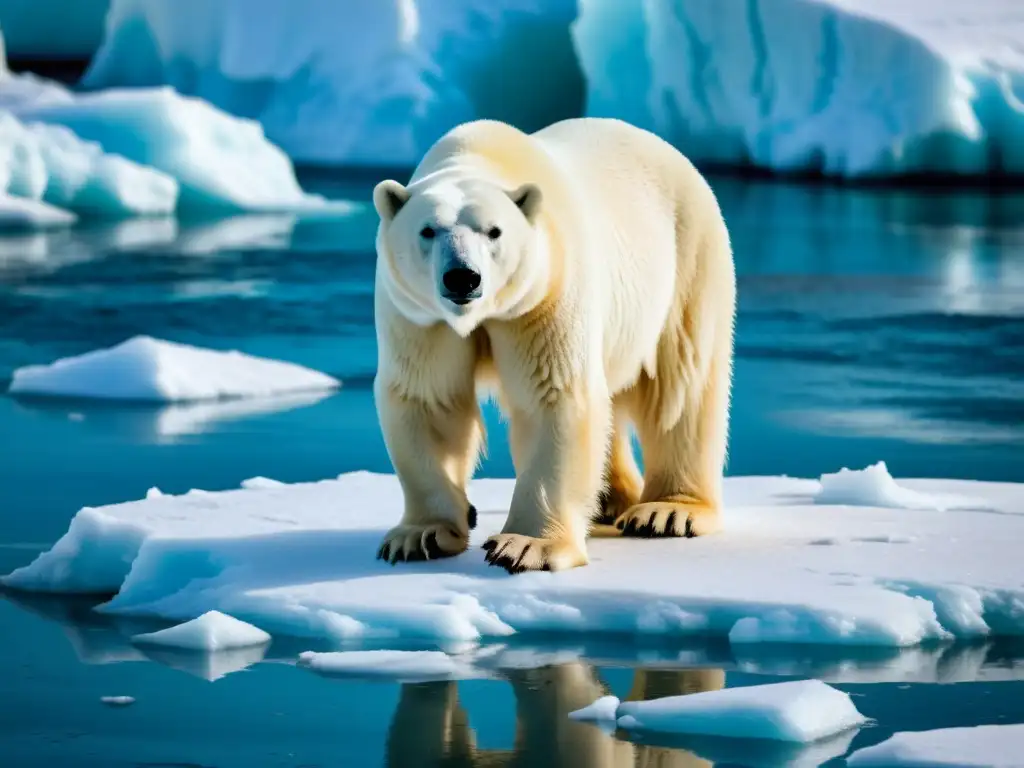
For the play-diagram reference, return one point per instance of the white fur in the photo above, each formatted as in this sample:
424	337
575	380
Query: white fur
608	302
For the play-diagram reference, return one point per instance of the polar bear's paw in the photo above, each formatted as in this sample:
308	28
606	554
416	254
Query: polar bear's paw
421	542
517	553
669	517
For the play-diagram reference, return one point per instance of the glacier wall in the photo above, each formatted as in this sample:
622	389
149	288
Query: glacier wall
848	88
845	88
370	82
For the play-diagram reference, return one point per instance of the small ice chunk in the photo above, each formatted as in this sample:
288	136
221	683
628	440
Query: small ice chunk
875	487
154	370
984	746
800	711
391	665
154	493
261	482
117	701
603	710
213	631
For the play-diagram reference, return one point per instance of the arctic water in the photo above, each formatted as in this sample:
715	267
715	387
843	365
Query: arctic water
873	325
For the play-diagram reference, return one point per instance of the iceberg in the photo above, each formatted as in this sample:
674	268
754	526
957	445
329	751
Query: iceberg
367	82
220	162
799	711
153	370
984	746
299	560
149	151
847	88
52	164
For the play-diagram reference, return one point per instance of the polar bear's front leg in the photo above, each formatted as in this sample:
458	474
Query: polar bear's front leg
561	448
434	450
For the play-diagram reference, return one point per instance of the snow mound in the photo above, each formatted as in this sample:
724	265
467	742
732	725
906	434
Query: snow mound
405	666
800	711
51	163
985	746
220	162
299	559
153	370
850	88
364	82
875	487
22	213
213	631
601	711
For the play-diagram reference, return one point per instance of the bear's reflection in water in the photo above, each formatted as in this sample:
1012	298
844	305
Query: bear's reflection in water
431	729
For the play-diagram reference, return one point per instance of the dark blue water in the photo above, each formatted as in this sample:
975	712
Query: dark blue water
872	325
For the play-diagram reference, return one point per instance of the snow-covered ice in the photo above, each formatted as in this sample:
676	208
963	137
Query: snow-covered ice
359	82
52	164
117	701
405	666
213	631
299	559
985	746
853	88
147	369
24	213
800	711
601	711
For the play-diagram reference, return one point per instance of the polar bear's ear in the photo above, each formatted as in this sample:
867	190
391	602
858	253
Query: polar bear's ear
388	198
527	198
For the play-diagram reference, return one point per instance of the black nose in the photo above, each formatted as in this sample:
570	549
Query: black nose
461	281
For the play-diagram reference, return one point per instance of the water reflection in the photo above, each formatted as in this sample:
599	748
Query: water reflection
430	728
169	423
25	255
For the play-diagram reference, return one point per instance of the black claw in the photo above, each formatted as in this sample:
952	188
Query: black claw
471	517
689	528
518	566
489	545
547	567
621	524
670	523
432	547
384	552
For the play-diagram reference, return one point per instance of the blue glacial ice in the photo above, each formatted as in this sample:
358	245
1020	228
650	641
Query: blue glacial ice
848	88
365	82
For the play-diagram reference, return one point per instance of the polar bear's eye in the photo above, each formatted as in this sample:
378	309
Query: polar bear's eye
494	233
427	233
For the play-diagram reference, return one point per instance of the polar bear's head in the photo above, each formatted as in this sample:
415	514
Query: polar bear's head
461	250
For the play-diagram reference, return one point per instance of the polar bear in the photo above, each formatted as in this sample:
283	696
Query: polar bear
583	274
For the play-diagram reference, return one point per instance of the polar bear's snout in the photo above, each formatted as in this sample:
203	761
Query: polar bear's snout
461	283
460	278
